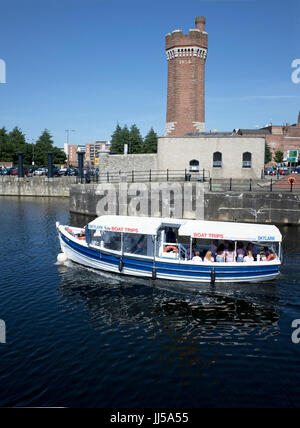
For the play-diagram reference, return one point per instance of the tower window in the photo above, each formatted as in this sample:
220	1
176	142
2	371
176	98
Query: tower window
247	160
217	160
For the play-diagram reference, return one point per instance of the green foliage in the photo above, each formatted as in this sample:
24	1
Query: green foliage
268	154
116	141
150	142
15	141
278	157
134	140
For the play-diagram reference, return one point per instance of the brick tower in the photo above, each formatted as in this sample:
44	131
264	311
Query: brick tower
186	55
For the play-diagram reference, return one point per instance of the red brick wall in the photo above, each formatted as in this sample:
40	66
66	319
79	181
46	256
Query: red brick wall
186	81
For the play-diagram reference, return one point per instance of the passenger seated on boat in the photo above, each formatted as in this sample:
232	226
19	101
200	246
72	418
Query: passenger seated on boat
208	257
197	258
220	255
262	256
229	254
141	247
251	247
240	252
214	247
249	257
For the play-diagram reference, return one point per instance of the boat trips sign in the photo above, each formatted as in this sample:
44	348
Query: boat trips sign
114	228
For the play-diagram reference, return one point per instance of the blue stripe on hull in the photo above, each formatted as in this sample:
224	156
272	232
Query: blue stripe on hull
175	269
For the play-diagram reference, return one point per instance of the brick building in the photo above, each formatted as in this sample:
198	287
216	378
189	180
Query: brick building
279	138
92	152
186	55
72	153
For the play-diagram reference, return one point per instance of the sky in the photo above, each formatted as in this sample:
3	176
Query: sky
88	65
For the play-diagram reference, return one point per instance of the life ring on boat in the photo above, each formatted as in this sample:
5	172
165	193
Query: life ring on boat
270	257
170	248
81	237
291	180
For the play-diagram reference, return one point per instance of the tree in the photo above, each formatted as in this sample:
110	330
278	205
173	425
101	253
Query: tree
117	145
6	148
268	153
278	158
125	138
150	142
135	140
17	143
43	145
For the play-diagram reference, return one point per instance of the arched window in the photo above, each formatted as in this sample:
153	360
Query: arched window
194	165
217	160
247	159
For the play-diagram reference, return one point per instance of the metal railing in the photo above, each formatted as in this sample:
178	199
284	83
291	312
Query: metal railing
136	176
285	184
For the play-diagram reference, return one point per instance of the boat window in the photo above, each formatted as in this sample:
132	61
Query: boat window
112	241
136	243
95	238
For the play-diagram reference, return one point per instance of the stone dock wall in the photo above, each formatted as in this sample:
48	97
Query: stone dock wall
36	186
188	200
181	200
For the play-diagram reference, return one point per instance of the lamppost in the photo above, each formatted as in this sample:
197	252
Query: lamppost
68	133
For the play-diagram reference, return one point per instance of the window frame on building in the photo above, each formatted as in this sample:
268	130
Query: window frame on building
247	163
217	160
194	165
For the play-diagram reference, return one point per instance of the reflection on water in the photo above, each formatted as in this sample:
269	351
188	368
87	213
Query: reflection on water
198	317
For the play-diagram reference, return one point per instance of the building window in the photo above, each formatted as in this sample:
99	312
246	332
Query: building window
247	159
217	160
194	165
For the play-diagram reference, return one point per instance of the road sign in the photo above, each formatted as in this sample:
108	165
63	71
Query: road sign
292	155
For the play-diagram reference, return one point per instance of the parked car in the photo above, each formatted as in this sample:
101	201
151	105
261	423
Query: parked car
296	170
13	171
41	171
62	171
284	171
3	171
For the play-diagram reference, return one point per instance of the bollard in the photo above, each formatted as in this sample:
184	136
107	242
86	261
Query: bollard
80	165
20	164
50	164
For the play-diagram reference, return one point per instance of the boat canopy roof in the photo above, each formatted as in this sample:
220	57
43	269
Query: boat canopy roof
230	231
200	229
133	224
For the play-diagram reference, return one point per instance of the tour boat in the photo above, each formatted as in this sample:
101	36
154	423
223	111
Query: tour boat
165	248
